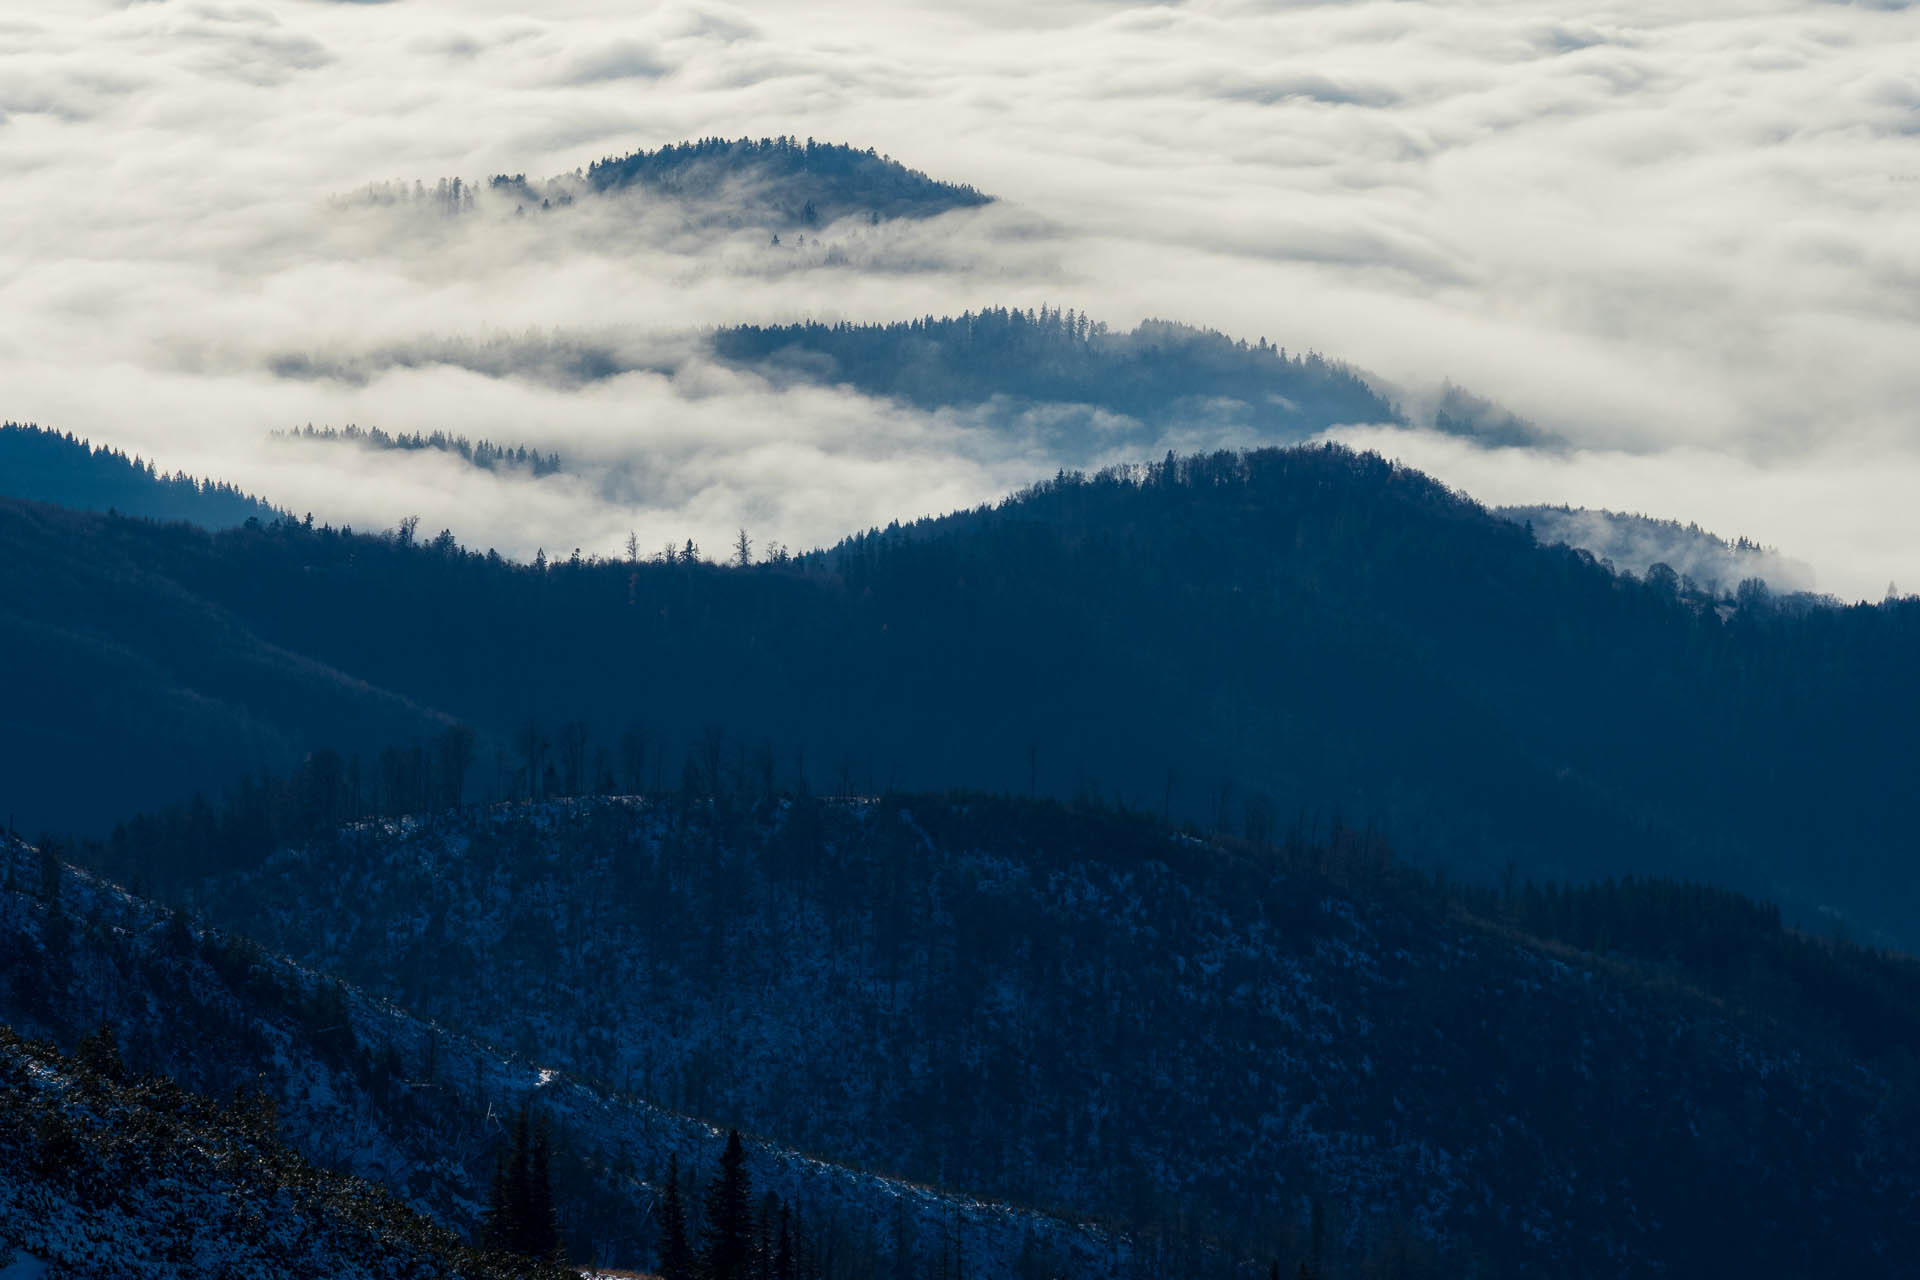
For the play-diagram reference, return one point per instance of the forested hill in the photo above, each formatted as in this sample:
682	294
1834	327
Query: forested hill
810	184
1167	382
1235	639
50	466
133	688
779	183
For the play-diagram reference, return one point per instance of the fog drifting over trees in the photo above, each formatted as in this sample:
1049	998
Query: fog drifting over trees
1675	244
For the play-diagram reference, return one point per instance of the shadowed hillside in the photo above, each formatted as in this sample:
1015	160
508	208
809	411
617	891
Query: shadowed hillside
132	689
1196	1039
1234	639
107	1173
361	1088
47	466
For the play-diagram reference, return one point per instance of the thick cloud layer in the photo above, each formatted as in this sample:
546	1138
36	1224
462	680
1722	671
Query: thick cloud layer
1681	238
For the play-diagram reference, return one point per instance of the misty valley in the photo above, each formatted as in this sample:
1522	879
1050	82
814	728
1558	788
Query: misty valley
812	759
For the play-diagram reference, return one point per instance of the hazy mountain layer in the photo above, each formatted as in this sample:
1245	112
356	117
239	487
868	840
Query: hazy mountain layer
1084	390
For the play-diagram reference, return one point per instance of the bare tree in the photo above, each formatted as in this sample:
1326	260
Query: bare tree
764	767
1222	802
533	749
573	755
456	757
1258	819
633	757
713	744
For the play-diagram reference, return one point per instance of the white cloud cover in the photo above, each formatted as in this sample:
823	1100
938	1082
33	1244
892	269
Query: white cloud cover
1685	237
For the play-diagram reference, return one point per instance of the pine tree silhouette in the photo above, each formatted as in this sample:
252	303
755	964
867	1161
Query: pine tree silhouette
782	1267
728	1233
543	1213
676	1254
522	1216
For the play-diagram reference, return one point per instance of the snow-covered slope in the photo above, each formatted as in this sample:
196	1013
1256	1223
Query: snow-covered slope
104	1173
363	1087
1089	1012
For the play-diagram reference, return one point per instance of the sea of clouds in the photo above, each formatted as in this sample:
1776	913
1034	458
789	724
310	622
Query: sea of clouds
1683	238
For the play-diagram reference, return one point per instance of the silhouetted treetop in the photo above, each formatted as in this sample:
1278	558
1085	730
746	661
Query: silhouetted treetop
484	454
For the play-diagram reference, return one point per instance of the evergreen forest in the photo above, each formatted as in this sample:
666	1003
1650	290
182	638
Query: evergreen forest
43	465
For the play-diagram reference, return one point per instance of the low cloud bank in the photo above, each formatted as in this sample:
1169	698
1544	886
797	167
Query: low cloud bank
1636	544
1838	519
1675	247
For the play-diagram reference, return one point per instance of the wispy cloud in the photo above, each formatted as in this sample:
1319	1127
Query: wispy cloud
619	60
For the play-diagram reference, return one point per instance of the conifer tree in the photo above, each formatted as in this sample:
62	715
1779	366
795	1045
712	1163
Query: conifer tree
676	1254
543	1215
728	1231
782	1267
521	1215
494	1230
99	1053
760	1266
49	873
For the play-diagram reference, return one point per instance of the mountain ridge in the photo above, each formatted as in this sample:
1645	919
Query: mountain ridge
1291	629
